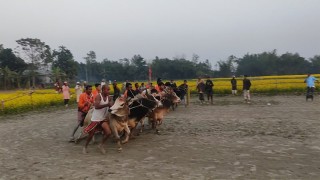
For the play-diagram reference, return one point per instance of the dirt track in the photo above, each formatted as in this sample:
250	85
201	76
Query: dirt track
226	140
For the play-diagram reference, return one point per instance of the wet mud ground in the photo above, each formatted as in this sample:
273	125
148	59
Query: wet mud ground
226	140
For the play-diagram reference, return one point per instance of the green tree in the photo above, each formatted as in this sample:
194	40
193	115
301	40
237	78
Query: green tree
8	77
227	68
7	58
91	63
140	67
35	52
315	63
63	59
57	74
293	64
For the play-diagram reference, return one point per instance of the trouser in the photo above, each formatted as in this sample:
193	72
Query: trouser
201	97
246	94
66	101
310	90
234	92
81	117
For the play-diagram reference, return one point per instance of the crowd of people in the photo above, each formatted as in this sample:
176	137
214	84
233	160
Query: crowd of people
99	99
203	88
207	88
128	90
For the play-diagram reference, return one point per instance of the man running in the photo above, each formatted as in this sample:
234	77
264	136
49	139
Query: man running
310	80
84	105
98	121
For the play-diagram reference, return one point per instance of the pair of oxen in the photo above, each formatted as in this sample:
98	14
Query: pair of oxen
126	114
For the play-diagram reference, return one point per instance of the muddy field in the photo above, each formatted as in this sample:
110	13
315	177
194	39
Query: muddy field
226	140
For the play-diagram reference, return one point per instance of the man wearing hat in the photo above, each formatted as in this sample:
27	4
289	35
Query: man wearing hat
103	82
78	90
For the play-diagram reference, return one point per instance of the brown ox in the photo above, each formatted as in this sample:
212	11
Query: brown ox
139	108
118	120
168	99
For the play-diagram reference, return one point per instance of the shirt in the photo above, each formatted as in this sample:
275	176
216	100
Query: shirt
246	84
85	102
310	81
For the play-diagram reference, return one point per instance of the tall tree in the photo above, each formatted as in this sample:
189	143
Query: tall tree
293	64
57	74
195	58
91	59
227	68
315	63
35	52
8	77
63	59
9	59
140	67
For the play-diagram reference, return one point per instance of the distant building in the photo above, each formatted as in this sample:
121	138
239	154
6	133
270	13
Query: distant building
43	73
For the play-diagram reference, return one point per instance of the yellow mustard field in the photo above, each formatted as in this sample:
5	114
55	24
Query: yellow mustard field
261	84
21	101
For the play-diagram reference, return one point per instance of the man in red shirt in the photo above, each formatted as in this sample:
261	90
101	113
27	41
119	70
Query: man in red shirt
84	105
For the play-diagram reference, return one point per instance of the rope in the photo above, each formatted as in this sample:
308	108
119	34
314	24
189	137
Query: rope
21	95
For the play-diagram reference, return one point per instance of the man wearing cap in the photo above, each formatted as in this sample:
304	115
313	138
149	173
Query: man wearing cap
78	90
103	82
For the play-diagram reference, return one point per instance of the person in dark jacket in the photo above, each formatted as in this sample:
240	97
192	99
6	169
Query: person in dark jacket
234	86
246	89
209	89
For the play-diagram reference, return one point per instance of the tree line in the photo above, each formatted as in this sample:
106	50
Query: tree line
33	60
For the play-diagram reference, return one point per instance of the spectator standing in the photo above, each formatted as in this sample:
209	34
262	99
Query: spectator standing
209	90
103	82
234	86
246	89
66	93
57	87
78	90
183	88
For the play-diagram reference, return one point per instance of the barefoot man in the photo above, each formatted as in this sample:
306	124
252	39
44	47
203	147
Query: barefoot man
84	105
98	121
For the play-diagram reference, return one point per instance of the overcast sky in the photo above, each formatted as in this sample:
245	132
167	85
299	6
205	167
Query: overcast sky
213	29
